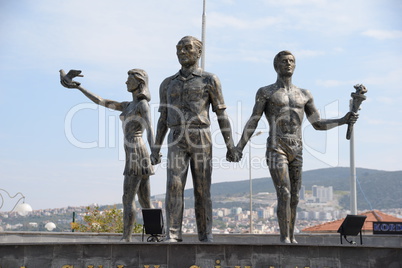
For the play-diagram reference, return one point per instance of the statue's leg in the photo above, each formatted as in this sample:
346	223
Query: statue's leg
278	167
144	193
201	170
178	161
130	187
295	173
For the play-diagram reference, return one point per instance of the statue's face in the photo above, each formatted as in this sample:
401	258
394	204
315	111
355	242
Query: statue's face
286	65
187	53
132	83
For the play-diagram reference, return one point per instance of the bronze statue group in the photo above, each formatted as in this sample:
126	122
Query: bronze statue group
185	100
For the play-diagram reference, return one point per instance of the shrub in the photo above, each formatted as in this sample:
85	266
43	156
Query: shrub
103	221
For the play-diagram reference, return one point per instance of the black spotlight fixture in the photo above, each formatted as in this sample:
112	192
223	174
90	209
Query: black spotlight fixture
153	224
352	226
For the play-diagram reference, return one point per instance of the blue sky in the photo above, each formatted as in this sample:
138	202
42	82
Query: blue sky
58	149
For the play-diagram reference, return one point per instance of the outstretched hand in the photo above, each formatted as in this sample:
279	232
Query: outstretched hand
234	155
67	79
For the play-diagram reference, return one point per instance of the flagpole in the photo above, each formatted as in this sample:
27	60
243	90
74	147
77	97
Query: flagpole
203	36
353	192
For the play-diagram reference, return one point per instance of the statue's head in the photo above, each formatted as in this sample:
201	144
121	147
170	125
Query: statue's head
142	78
280	57
188	50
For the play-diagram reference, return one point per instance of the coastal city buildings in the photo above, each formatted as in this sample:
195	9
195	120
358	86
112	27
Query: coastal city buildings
231	213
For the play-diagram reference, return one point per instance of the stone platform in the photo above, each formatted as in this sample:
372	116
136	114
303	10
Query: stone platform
73	250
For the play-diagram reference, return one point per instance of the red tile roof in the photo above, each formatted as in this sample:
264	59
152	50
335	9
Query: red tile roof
333	226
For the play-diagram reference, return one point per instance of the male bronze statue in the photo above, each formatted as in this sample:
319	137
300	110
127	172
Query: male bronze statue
284	106
185	99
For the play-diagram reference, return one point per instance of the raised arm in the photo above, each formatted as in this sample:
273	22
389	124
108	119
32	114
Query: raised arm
115	105
67	81
314	118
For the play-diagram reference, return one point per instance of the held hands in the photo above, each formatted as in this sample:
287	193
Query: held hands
234	154
155	157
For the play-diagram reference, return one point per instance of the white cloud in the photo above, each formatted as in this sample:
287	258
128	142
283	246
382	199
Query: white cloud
221	20
100	32
325	16
216	19
384	122
306	53
389	100
334	83
383	34
393	78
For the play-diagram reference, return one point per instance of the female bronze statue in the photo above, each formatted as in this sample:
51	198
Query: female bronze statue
135	117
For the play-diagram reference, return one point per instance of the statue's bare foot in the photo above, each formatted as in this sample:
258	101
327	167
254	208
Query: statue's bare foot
293	240
172	240
285	240
125	239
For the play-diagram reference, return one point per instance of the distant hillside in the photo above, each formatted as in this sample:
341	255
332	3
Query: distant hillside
381	189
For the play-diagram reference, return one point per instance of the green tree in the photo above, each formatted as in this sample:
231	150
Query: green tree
109	220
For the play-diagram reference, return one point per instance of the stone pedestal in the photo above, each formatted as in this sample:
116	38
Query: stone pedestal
238	251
